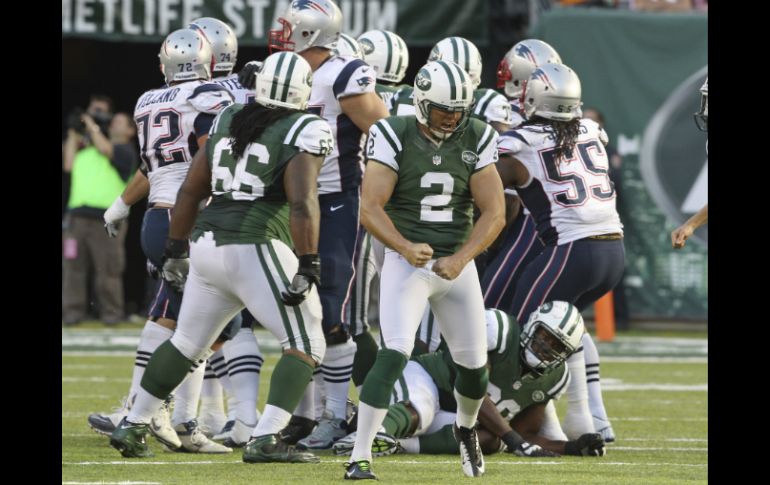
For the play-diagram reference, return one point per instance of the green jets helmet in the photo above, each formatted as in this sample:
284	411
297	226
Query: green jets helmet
443	85
348	46
285	80
563	323
386	52
462	52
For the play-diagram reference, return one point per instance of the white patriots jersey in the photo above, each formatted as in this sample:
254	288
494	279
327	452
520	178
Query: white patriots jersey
169	122
569	199
336	78
517	113
240	94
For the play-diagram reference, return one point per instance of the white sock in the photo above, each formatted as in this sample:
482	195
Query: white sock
467	410
319	394
595	401
244	362
369	421
578	420
337	367
186	396
150	339
306	405
212	403
144	408
551	429
273	420
219	366
410	445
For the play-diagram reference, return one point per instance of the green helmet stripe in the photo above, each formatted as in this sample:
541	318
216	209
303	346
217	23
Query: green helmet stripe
455	50
400	55
500	331
389	55
274	88
467	56
289	72
350	43
463	80
452	83
564	320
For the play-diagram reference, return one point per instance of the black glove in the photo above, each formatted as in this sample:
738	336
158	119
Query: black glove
248	75
529	450
308	273
589	444
176	263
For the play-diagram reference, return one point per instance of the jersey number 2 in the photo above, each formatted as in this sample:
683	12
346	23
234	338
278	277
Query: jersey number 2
430	204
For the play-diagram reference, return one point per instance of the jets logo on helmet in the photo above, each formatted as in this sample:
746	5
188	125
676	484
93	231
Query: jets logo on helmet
349	46
422	80
367	45
284	80
387	53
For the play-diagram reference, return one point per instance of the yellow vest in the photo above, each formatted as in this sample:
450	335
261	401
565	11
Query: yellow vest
95	182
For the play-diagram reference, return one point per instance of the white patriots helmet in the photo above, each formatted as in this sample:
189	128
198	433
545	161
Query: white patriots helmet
184	56
285	81
387	53
462	52
563	322
702	116
553	92
443	85
306	24
348	46
224	43
519	63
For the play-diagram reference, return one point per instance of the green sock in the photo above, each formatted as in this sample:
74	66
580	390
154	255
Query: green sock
366	354
398	421
378	385
165	370
442	442
287	385
472	383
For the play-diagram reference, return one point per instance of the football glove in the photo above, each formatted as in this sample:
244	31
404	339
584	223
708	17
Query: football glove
114	215
308	273
529	450
589	444
176	263
248	75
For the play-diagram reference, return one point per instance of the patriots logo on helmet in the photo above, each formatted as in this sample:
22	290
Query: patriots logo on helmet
524	51
542	76
306	4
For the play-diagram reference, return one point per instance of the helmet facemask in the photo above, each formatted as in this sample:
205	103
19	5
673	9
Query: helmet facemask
280	39
702	116
543	350
426	108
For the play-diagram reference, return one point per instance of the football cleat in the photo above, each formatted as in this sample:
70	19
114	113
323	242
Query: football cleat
470	451
270	449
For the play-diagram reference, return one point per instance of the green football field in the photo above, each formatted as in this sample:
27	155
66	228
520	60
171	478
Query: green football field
655	391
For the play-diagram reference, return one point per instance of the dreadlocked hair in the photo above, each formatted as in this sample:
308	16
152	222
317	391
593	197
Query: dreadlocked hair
565	134
249	123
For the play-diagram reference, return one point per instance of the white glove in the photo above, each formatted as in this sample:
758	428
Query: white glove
114	215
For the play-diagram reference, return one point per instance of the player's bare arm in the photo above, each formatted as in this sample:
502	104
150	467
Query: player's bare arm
137	189
364	110
512	172
300	184
378	184
487	191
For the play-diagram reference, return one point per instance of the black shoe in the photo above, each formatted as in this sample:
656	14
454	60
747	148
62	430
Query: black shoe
359	470
297	429
470	451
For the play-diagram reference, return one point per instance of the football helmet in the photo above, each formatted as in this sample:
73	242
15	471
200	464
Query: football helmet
285	80
348	46
519	62
184	56
386	52
702	116
553	92
224	43
443	85
562	333
462	52
306	24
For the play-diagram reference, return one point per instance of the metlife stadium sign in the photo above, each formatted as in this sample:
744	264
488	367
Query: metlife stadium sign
420	23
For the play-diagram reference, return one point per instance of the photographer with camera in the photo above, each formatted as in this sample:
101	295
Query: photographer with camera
100	155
